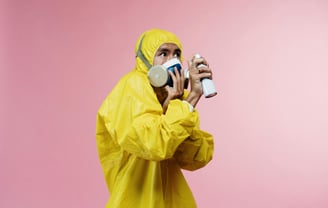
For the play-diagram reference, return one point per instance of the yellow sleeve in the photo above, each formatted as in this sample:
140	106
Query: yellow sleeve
134	121
196	151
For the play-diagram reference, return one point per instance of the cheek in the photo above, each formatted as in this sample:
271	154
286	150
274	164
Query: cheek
159	60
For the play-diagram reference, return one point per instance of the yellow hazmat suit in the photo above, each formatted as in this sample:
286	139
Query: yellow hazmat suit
141	149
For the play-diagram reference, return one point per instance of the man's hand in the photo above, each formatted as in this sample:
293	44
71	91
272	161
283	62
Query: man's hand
167	93
178	87
198	69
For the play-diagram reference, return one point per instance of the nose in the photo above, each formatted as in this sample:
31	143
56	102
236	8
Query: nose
171	56
167	58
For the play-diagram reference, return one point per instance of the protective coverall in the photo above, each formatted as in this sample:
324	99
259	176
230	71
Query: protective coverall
141	149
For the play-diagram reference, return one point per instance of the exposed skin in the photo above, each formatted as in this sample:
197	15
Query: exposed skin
164	94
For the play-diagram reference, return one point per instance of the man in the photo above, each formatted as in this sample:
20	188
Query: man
146	134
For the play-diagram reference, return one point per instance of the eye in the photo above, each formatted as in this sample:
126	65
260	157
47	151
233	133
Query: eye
163	54
177	54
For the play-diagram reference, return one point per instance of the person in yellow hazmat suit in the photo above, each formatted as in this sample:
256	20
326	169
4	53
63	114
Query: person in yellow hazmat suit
145	135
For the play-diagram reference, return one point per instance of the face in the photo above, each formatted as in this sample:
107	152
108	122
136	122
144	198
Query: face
166	52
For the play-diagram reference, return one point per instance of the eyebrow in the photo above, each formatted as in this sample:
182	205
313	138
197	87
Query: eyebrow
164	49
177	50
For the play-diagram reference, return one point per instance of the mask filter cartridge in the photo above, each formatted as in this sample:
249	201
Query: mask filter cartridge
159	76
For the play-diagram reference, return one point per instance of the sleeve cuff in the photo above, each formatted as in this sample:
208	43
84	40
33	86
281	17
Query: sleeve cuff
191	108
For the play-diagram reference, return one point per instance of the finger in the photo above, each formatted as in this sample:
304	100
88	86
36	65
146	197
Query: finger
174	91
205	75
205	62
200	60
173	77
193	67
180	78
167	88
201	68
176	73
182	74
176	83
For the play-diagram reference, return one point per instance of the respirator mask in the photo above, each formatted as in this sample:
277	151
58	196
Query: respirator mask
159	76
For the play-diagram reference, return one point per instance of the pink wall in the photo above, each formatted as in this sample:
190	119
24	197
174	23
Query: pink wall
61	58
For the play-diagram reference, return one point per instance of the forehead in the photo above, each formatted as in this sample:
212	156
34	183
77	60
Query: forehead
168	46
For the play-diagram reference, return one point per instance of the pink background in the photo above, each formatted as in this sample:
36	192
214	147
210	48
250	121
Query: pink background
59	59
